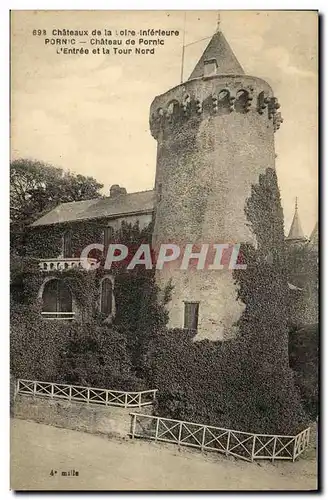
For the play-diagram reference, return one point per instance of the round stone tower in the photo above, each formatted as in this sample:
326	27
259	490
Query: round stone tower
215	136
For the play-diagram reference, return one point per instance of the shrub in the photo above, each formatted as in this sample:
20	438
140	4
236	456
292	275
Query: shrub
97	356
221	384
69	352
35	351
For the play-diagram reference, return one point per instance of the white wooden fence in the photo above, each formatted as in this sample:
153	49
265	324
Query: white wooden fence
93	395
244	445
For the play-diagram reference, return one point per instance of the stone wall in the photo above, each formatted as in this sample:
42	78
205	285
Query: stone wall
112	420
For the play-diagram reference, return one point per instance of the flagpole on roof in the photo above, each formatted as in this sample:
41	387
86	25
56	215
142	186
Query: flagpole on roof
218	28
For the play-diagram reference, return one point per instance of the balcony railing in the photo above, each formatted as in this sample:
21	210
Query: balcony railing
66	264
58	315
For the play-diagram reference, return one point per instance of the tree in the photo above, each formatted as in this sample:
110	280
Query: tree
263	288
37	187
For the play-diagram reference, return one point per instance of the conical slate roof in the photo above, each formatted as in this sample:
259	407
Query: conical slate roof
296	232
218	49
314	238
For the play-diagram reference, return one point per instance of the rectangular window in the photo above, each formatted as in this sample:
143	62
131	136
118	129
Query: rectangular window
67	244
191	315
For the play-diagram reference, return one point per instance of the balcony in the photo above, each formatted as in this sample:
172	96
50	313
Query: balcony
48	265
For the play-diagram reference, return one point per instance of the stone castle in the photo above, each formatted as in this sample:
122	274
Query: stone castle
215	136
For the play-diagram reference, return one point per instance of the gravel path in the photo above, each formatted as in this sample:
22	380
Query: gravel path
104	464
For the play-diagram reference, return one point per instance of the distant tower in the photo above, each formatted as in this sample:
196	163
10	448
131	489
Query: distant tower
314	238
303	273
215	136
296	235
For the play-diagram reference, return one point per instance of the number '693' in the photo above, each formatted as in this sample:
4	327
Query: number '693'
39	32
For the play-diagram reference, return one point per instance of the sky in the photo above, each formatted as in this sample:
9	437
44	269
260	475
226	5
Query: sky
90	113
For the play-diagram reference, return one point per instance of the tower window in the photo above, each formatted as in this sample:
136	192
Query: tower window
106	301
67	244
210	67
191	315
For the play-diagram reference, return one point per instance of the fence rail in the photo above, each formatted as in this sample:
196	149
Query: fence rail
105	397
244	445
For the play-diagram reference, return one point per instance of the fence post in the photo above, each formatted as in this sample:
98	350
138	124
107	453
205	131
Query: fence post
203	438
274	448
52	391
70	393
106	398
134	421
156	431
294	448
180	432
228	442
16	389
126	400
308	432
34	388
88	396
139	399
253	447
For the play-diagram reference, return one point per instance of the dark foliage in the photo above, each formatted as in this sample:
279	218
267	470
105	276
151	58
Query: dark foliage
304	360
88	354
70	353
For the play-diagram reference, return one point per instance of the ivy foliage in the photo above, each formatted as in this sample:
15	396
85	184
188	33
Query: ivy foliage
90	351
217	383
139	312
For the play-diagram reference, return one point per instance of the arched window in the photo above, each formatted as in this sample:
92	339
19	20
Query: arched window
57	300
243	101
106	298
173	110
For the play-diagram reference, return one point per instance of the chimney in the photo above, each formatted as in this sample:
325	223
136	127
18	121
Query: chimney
116	190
